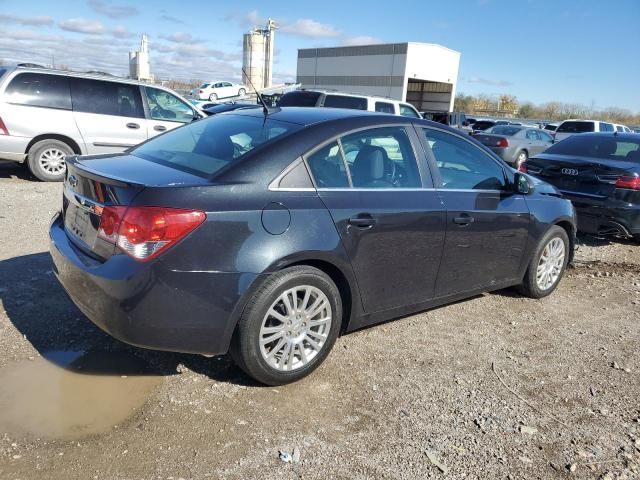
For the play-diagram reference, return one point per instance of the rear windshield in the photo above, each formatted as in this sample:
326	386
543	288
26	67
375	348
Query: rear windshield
598	146
576	127
205	85
343	101
504	130
206	146
299	99
483	125
550	127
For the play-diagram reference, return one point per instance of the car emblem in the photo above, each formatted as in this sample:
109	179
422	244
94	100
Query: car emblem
569	171
73	181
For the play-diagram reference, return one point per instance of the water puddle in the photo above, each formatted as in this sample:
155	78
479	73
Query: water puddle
68	395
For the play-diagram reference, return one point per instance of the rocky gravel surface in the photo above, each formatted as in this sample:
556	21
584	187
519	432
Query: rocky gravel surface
494	387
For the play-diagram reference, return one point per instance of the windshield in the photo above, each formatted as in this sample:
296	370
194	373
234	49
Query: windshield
598	146
504	130
206	146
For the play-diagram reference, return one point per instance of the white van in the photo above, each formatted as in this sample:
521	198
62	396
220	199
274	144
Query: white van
321	98
573	126
46	115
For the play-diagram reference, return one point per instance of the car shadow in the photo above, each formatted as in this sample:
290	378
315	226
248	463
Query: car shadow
588	240
39	308
15	170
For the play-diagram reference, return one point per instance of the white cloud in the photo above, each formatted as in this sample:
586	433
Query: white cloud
113	11
310	28
180	37
38	20
80	25
485	81
171	19
361	40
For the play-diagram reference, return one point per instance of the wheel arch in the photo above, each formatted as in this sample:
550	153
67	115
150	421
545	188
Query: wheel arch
571	233
55	136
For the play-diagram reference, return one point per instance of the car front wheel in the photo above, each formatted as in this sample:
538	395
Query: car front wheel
547	264
213	97
288	327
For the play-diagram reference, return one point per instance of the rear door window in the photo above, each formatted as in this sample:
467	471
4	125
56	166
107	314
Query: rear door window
328	168
384	107
606	127
106	98
576	127
39	90
345	101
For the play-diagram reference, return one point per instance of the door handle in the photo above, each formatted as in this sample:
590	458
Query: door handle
159	128
362	220
133	126
463	220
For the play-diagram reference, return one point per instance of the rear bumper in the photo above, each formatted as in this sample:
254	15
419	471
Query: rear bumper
147	304
506	154
603	219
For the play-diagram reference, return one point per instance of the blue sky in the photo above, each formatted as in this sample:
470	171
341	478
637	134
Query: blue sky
539	50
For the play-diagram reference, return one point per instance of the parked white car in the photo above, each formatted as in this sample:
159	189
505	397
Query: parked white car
46	115
218	89
331	99
574	126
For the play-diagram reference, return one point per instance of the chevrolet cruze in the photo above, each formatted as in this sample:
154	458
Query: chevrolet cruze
267	234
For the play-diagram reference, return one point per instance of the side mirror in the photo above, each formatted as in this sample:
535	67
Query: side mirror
521	184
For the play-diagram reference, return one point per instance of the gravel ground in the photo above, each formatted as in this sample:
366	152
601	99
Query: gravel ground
497	386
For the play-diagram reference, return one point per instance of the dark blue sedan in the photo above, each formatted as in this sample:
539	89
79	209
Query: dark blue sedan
268	236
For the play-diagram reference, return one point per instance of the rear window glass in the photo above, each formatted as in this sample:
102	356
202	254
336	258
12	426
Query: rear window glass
483	125
384	107
106	98
606	127
576	127
504	130
39	90
407	111
205	147
598	146
550	127
299	99
343	101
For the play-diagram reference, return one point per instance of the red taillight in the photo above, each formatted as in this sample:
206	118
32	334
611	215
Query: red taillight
200	91
629	182
523	167
503	143
144	232
3	128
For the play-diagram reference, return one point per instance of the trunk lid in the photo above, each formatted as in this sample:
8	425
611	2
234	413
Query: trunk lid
580	176
99	181
489	139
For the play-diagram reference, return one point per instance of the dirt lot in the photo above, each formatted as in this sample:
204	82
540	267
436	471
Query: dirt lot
494	387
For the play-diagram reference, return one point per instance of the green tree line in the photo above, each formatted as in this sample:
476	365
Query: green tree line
510	106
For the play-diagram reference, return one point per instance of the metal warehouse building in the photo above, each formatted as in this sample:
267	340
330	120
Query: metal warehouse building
423	74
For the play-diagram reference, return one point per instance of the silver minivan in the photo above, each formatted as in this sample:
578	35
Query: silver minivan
46	115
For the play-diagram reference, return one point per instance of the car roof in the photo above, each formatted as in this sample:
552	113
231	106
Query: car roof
94	76
617	135
312	115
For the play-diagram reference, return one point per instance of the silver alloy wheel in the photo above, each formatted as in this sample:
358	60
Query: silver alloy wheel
295	328
550	264
52	161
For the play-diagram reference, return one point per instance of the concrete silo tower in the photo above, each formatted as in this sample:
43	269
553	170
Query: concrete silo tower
257	56
139	65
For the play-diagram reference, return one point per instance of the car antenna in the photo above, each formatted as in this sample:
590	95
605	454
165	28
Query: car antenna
265	108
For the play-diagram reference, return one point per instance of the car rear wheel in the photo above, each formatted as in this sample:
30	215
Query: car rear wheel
547	265
521	158
288	327
46	159
213	97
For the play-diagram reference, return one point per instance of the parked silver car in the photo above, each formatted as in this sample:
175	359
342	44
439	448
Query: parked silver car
513	143
46	115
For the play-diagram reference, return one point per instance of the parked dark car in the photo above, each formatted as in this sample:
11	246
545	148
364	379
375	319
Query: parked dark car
269	236
513	143
600	174
481	125
228	107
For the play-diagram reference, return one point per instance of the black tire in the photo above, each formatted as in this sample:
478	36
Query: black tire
37	150
213	97
636	238
529	286
242	92
245	346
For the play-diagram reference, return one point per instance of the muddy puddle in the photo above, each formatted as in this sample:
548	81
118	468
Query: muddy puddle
68	395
